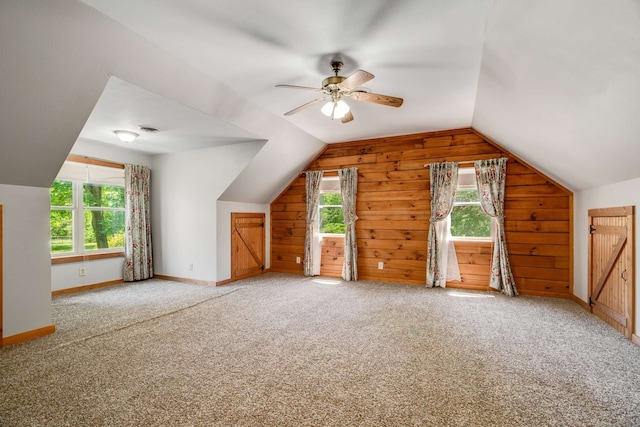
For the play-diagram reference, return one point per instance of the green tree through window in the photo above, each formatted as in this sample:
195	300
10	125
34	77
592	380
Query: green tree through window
467	218
61	195
99	207
100	223
331	217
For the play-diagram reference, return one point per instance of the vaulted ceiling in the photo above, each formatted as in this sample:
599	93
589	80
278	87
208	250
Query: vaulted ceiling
556	83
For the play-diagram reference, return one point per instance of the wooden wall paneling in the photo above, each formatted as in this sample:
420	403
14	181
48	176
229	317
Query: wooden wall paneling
332	256
393	207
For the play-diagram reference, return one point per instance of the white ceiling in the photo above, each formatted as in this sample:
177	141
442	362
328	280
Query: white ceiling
560	86
123	106
427	52
556	83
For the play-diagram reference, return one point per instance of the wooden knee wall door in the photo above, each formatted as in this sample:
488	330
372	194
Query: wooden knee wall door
247	245
611	266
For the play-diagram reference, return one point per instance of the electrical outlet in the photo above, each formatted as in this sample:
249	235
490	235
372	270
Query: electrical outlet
190	266
380	265
297	260
82	272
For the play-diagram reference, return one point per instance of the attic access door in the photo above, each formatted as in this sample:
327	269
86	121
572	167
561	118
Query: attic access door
247	245
611	269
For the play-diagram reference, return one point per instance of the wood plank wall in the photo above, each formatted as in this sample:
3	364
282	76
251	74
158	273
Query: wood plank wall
332	256
393	210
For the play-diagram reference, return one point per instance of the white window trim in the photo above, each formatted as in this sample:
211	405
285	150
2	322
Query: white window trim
320	206
471	238
77	214
319	217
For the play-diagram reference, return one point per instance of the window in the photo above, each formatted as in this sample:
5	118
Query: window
330	215
87	209
468	222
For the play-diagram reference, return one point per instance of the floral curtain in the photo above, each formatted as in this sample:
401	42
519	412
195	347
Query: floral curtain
490	178
443	185
138	259
311	262
348	188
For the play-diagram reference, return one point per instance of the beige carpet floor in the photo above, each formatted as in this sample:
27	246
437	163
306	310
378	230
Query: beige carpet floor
282	350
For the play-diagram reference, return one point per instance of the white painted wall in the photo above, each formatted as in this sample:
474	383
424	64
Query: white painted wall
224	233
626	193
185	187
26	261
64	276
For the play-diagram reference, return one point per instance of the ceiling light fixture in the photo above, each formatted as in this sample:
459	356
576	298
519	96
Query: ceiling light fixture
125	135
335	109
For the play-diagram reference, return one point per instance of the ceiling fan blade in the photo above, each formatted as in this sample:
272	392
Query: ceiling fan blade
391	101
302	107
358	78
347	117
315	89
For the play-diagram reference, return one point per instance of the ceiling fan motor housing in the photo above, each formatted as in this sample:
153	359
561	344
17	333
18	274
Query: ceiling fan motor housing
331	83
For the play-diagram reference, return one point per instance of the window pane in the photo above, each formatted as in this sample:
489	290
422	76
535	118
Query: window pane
470	221
61	231
103	196
467	195
331	221
103	229
330	199
61	193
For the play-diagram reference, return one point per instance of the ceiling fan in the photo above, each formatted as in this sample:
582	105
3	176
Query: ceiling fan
336	88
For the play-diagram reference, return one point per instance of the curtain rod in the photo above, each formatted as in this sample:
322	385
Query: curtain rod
464	164
467	164
323	170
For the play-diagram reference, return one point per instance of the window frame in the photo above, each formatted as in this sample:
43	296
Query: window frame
321	206
473	186
78	210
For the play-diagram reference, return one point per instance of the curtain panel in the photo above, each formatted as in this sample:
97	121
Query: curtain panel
313	180
348	189
442	188
138	259
490	178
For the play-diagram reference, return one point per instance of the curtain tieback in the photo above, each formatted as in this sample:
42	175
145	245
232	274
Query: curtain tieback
433	220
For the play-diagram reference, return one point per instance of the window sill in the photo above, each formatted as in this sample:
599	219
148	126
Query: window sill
80	258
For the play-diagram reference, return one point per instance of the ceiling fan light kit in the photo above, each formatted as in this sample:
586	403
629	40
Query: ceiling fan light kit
336	87
335	109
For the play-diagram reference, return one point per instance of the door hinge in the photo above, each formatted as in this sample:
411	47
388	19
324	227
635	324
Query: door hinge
262	225
262	268
592	229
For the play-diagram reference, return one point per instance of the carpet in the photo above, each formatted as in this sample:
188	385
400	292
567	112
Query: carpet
284	350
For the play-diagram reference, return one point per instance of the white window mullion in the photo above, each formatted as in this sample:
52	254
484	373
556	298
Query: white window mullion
78	218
